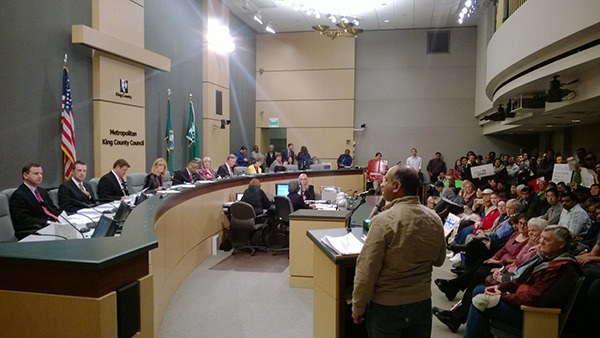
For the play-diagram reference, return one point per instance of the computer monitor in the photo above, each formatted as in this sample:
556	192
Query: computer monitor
282	189
238	196
122	212
105	227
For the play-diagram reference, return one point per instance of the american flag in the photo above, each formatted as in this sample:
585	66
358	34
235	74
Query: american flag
67	120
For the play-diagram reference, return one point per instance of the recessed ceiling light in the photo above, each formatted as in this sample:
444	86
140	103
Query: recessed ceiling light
386	20
549	126
575	121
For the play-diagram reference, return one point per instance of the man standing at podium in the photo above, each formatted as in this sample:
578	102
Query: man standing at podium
392	285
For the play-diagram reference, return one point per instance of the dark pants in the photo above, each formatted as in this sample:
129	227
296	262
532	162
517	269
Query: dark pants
409	320
478	323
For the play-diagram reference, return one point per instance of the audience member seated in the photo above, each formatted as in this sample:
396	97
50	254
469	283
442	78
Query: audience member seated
111	186
294	196
345	160
277	164
189	174
553	213
256	197
476	275
256	167
226	169
442	192
206	172
308	191
30	206
573	216
154	180
75	193
549	274
241	158
483	246
465	198
531	204
304	158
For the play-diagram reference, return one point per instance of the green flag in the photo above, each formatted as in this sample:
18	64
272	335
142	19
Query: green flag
192	136
170	140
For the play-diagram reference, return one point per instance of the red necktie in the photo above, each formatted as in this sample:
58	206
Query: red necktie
39	198
191	181
230	170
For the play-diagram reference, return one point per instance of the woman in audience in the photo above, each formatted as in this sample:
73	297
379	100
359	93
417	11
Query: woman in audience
206	172
520	243
455	172
256	167
154	180
294	196
304	159
256	197
484	246
308	191
545	283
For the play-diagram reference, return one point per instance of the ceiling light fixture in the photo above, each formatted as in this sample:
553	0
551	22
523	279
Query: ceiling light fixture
269	28
344	29
258	17
467	10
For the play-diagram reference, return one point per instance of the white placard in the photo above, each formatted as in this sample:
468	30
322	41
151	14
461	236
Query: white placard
561	173
482	170
452	221
587	179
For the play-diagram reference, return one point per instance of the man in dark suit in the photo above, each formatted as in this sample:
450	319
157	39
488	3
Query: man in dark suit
75	194
30	205
111	186
226	169
187	175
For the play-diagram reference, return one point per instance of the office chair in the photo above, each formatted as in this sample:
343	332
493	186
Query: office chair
135	182
7	232
278	237
553	319
94	184
53	193
244	232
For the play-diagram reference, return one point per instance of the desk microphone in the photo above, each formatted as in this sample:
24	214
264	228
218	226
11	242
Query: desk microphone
366	193
363	199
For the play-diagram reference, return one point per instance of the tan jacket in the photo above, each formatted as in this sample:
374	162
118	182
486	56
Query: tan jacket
395	264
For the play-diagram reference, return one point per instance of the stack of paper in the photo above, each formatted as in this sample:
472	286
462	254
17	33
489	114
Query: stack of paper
344	245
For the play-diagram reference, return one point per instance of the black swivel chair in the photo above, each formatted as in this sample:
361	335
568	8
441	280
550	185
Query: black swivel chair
244	232
279	236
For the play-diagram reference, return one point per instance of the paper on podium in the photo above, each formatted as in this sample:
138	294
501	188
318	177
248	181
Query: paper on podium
343	245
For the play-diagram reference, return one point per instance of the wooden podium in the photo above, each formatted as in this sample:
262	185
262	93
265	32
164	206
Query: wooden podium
332	288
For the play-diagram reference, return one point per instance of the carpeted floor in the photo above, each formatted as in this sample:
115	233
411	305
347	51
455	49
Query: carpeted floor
260	262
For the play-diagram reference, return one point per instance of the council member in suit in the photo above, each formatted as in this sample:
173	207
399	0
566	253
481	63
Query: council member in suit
154	180
30	205
226	169
75	194
111	186
187	175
